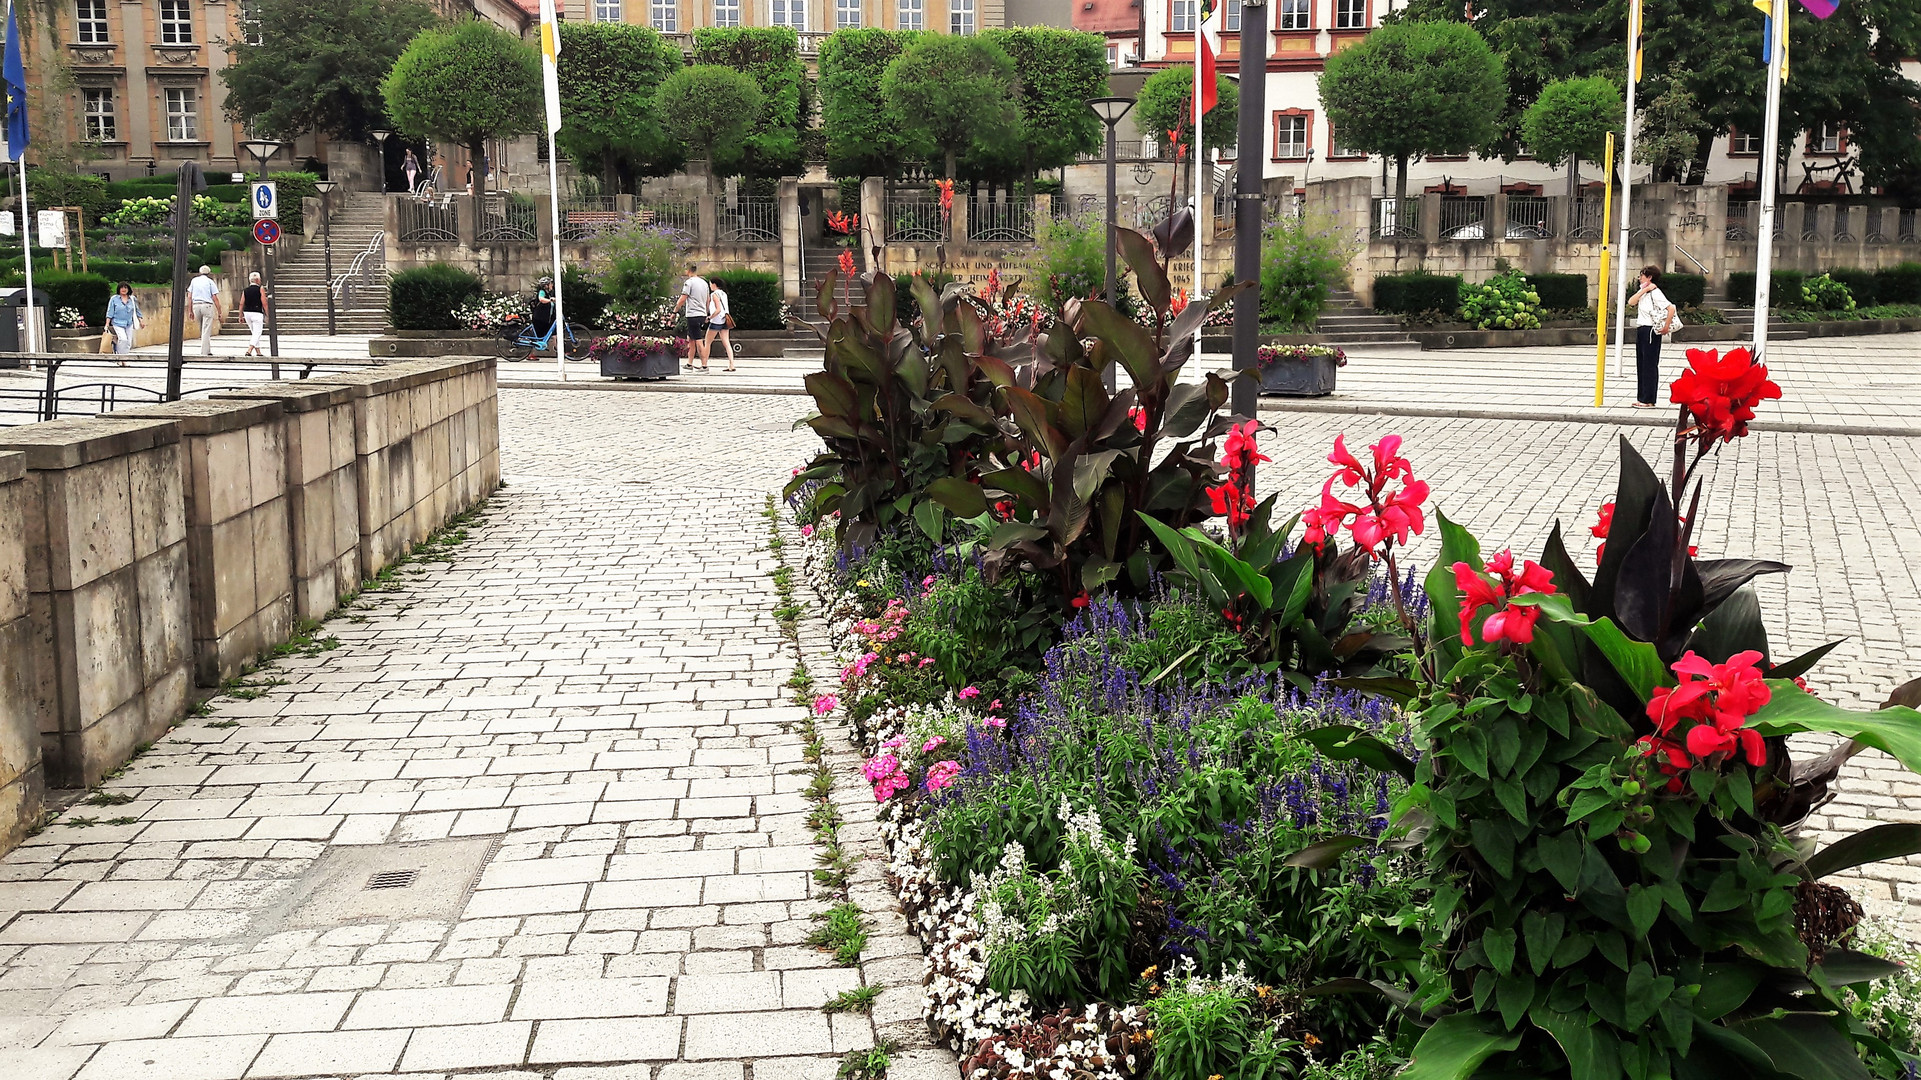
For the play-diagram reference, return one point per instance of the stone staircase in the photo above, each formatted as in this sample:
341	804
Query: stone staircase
300	283
1345	322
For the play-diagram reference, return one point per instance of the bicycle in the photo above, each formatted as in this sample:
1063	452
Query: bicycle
526	343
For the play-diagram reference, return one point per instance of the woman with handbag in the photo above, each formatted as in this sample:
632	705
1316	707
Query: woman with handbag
123	317
719	321
1654	318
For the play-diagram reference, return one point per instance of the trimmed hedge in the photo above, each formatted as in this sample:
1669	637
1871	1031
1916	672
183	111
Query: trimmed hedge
1685	290
1558	292
1861	285
425	297
753	296
1413	293
1898	284
1784	288
86	292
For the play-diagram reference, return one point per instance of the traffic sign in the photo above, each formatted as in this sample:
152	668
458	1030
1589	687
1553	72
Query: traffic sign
266	201
267	232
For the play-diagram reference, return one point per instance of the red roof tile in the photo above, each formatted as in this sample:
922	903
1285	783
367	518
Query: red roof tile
1106	16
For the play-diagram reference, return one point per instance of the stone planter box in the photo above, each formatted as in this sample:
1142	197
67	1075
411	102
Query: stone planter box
654	365
413	343
74	339
1313	377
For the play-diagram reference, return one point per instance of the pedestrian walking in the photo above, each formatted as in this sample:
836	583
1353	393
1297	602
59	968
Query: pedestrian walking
719	321
204	294
410	168
253	308
1654	318
692	306
123	315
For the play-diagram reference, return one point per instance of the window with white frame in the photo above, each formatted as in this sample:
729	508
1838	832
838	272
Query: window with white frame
183	114
726	12
176	22
250	22
791	13
97	109
1181	15
960	16
1336	149
1231	18
664	15
1744	142
607	11
1825	139
90	22
1297	14
1290	137
911	15
847	14
1350	14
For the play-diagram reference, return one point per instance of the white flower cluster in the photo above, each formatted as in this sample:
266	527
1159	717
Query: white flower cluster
1101	1042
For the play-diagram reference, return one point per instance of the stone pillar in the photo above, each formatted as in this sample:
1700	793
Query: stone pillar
873	222
467	221
790	239
544	225
708	228
957	224
1560	216
140	107
106	539
625	204
1823	226
23	781
1430	217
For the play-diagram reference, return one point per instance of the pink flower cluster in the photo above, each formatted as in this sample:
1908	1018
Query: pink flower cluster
825	704
885	773
942	773
1385	514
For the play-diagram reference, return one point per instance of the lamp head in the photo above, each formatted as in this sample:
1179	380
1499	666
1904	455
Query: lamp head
1110	109
324	186
262	149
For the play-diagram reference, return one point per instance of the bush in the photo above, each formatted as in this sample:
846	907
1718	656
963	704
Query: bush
1411	293
48	189
1072	261
582	299
1861	285
905	308
645	266
424	298
1784	290
753	296
1564	292
1503	302
1685	290
1303	259
1823	293
134	272
86	293
1898	284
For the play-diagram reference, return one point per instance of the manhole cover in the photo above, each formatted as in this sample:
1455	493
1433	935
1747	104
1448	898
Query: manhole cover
384	883
393	879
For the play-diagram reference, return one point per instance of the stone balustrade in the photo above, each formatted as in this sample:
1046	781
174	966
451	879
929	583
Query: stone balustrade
22	777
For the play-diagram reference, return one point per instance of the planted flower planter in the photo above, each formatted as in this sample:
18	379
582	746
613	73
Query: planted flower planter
1299	370
632	356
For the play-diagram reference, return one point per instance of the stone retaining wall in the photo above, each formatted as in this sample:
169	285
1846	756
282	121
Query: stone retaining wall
23	781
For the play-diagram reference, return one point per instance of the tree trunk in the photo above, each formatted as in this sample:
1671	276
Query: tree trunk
609	175
950	163
1400	192
477	163
1573	179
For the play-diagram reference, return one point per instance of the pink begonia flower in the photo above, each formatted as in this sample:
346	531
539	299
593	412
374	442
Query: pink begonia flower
996	722
894	743
932	743
825	704
942	773
880	767
994	705
926	660
969	692
806	531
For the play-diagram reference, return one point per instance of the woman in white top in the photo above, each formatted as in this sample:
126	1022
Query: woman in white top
1654	317
719	321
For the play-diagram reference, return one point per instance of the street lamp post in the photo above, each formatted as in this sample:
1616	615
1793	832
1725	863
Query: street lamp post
326	187
1110	110
262	149
380	137
1249	153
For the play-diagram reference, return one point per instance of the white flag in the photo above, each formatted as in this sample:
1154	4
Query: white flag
550	61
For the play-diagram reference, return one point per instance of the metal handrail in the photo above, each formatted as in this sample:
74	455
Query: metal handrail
1697	263
362	266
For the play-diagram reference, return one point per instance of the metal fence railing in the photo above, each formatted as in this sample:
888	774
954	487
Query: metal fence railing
913	220
750	219
681	217
1529	217
1004	222
1390	222
507	219
1740	220
1153	212
424	221
583	217
1464	217
1907	229
1584	218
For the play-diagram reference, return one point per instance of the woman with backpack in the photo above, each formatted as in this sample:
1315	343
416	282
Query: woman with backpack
1654	318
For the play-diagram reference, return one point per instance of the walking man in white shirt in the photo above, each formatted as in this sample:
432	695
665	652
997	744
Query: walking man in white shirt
204	294
692	306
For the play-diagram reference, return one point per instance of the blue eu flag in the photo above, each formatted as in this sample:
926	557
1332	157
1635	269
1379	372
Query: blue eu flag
14	73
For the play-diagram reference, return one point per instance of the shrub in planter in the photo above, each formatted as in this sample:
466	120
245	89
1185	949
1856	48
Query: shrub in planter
85	293
1303	259
1898	284
907	309
1823	293
753	296
1567	292
425	297
1412	293
585	302
1863	285
1685	290
1784	289
1503	302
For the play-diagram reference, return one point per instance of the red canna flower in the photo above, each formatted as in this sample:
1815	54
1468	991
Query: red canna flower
847	263
1386	515
1599	530
1722	391
946	196
1233	498
1177	303
1507	623
1703	719
1080	601
1139	416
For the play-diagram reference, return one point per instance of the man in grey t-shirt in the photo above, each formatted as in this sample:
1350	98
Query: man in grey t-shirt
204	294
693	305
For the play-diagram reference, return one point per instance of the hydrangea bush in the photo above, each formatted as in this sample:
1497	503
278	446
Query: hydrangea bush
1503	302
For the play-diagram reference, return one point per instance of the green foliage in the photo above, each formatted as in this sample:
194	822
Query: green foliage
1889	311
424	298
582	298
1669	133
1571	119
863	138
644	266
1823	293
906	309
1058	71
1503	302
1071	259
1889	1008
48	188
293	189
1683	290
1568	292
1414	293
1784	288
955	98
84	292
843	931
1303	259
1061	933
609	75
1864	286
753	296
1414	89
466	83
319	65
771	55
710	109
1166	103
1898	284
1205	1029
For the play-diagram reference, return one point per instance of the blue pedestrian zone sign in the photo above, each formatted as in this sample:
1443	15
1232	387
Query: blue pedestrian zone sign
266	202
267	232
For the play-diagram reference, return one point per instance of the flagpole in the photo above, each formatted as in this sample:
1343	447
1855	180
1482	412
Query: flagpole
1627	185
26	243
1200	178
550	64
1776	33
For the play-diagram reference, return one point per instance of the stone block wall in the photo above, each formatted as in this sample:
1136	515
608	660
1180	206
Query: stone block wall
23	780
322	476
239	553
111	659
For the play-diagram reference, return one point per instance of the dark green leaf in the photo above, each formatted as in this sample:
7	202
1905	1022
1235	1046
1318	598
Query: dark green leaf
1456	1046
1644	907
965	500
1126	337
1791	711
1591	1054
1326	853
928	514
1892	841
833	395
1498	945
1801	665
1845	967
1344	742
1804	1045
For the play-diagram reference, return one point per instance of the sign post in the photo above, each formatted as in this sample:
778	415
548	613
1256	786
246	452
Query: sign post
265	198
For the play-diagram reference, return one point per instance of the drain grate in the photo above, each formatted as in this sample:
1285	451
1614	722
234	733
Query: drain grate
393	879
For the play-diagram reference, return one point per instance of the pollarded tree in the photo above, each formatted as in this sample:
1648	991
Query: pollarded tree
710	109
319	64
770	55
609	75
1414	90
1166	103
1668	137
955	97
863	138
1058	71
467	83
1570	121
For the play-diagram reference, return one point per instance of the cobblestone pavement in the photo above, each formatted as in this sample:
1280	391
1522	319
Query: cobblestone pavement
581	713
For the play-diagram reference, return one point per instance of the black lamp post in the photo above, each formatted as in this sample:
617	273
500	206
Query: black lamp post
1249	154
380	137
262	149
326	187
1110	110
